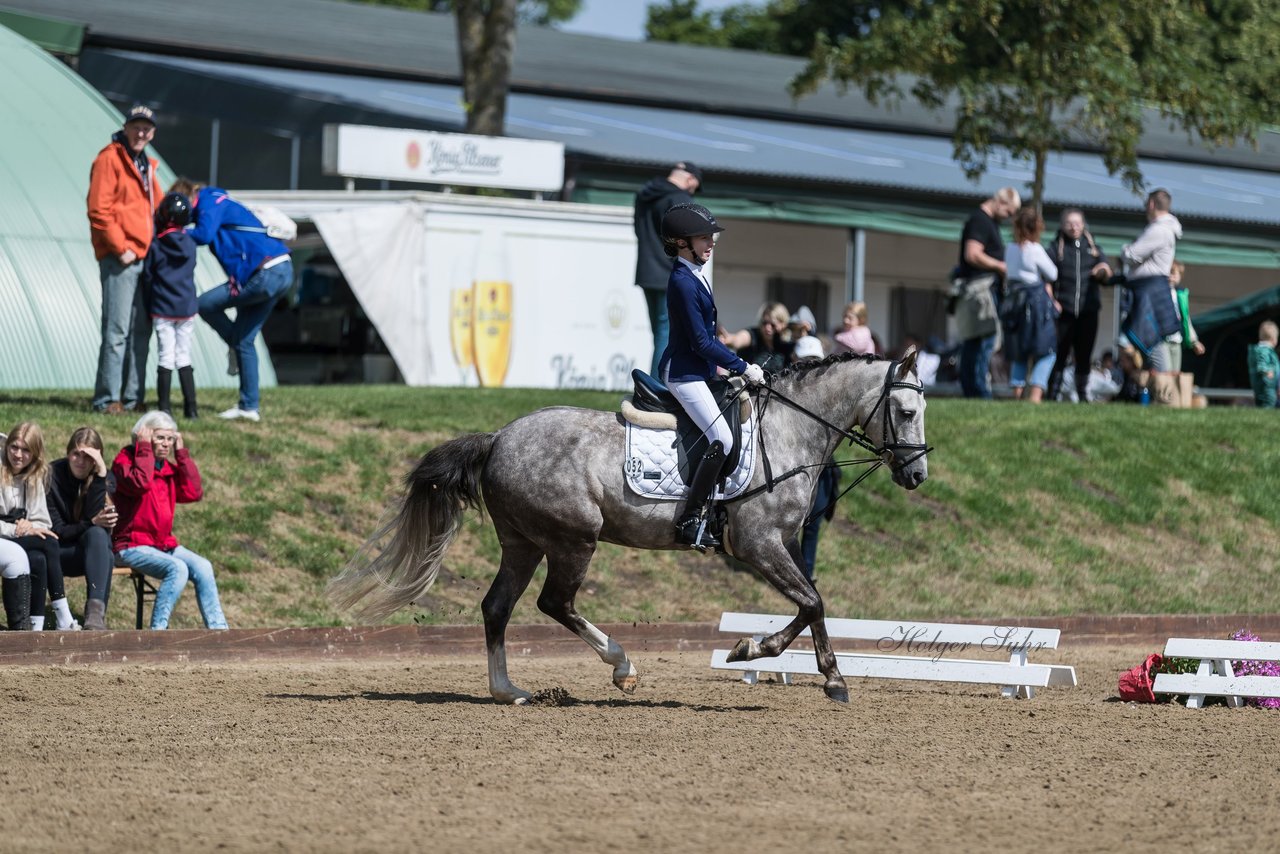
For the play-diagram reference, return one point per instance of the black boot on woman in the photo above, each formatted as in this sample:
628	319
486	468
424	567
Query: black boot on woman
17	603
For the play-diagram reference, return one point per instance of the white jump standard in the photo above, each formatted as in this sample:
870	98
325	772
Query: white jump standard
930	647
1215	677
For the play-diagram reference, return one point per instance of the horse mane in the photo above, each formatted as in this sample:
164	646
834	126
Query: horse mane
799	370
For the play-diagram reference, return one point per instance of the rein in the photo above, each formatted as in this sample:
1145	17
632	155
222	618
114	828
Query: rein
889	451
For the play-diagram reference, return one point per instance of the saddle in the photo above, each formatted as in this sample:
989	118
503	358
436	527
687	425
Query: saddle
653	406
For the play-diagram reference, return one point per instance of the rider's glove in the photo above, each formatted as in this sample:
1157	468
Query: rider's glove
754	374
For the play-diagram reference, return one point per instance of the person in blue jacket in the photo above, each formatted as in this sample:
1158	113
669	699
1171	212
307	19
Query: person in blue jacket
693	353
259	272
169	283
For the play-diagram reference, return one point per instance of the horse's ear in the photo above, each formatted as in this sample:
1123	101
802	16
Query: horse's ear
907	363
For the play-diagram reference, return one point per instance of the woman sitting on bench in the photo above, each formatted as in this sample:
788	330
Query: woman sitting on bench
152	476
82	517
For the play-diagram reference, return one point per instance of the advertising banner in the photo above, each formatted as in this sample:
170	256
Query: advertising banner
495	299
393	154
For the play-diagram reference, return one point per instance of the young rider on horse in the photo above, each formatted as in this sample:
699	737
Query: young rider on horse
693	353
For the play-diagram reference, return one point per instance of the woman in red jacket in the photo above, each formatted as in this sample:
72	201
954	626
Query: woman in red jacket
151	477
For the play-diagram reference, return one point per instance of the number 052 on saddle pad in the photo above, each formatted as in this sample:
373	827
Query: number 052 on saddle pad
659	459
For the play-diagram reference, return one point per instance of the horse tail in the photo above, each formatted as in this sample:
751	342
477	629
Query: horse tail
401	560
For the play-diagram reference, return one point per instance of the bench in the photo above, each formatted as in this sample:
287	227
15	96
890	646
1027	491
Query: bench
1215	676
929	647
142	587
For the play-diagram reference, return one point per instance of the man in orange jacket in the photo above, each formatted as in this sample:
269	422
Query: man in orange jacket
123	194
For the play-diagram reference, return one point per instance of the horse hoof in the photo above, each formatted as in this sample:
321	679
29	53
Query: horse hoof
626	677
513	697
837	693
747	649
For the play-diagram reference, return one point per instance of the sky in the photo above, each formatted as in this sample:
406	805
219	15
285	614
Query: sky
621	19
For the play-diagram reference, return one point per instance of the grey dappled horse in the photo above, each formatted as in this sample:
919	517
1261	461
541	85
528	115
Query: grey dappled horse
553	485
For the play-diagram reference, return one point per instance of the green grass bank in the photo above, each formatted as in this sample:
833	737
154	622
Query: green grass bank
1028	511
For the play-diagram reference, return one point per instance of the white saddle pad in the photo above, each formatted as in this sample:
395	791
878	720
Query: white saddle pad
652	467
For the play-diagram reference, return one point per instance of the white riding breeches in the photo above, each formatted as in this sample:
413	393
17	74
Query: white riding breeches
13	559
173	341
700	404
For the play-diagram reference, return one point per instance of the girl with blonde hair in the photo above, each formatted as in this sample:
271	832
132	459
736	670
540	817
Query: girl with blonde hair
24	519
855	336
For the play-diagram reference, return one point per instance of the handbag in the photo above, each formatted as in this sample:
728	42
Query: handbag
975	307
1136	683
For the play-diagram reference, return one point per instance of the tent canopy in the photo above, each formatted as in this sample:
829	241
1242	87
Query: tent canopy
1227	332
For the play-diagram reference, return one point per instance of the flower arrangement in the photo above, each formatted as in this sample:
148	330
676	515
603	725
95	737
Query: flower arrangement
1256	668
1136	683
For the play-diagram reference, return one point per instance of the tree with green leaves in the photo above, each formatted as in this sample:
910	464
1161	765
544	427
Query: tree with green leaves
1035	76
540	13
487	46
778	26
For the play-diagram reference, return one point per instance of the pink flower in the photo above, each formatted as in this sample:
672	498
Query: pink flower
1256	668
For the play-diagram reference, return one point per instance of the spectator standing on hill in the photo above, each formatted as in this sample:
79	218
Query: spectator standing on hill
123	192
1082	266
24	518
1185	338
169	278
259	272
976	284
1148	261
1030	313
153	476
653	267
82	516
1264	366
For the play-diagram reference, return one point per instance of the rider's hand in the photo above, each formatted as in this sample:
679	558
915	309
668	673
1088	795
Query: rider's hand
754	374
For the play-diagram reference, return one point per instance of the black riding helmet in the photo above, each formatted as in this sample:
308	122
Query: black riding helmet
688	220
175	210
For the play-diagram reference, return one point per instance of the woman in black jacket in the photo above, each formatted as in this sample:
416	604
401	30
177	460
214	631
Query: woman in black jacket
1082	266
83	517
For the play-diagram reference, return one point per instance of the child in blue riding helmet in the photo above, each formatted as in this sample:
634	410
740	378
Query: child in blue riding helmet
693	353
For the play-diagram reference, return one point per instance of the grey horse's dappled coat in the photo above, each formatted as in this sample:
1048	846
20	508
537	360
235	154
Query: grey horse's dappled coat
553	484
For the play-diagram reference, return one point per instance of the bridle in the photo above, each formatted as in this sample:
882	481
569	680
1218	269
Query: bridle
891	451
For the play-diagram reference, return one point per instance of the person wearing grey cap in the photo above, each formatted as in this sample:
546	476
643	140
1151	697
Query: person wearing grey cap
123	194
653	267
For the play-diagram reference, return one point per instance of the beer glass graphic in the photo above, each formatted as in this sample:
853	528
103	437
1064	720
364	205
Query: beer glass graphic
460	318
491	330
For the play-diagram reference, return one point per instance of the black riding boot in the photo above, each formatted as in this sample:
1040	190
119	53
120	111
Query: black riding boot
187	379
164	379
17	603
701	487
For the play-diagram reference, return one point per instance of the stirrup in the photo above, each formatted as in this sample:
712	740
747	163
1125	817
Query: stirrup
693	531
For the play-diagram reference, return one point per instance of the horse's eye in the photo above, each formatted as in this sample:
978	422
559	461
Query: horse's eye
908	414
